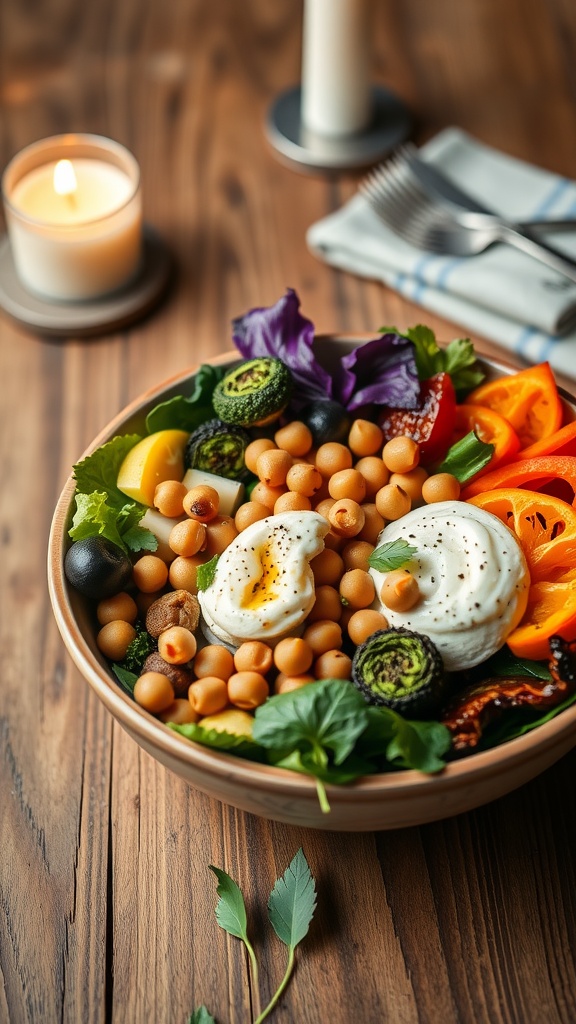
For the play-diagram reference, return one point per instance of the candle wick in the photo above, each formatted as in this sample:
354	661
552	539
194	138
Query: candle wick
71	197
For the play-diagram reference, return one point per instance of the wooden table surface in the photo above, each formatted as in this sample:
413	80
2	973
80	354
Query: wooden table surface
107	903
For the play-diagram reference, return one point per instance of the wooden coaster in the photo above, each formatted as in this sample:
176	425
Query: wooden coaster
94	316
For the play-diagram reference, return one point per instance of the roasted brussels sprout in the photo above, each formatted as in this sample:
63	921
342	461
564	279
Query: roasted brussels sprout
217	447
400	669
254	393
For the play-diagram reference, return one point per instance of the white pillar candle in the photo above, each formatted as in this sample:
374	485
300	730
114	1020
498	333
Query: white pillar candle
74	216
336	73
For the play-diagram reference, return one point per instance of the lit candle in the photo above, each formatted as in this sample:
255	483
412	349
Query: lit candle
74	216
336	85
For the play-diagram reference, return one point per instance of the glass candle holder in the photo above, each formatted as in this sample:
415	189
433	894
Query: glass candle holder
74	216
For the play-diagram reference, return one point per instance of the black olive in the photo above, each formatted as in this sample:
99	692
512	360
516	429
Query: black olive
97	568
327	420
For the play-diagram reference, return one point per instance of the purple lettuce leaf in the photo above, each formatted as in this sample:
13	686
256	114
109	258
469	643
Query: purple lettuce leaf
382	371
282	331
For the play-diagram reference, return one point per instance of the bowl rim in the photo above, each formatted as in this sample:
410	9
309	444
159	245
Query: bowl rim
393	785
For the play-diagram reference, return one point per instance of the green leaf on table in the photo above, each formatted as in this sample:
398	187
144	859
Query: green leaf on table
206	572
466	457
186	412
292	902
201	1016
392	555
230	909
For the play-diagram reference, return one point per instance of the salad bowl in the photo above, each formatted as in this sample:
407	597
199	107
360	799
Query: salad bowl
396	799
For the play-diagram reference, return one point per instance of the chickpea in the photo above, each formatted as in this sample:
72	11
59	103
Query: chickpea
332	457
375	474
363	623
323	507
220	532
114	639
253	656
347	613
272	466
266	495
202	503
411	482
400	590
214	660
334	541
254	449
373	524
180	712
355	554
347	483
346	517
154	692
327	567
295	438
304	479
149	573
248	513
333	665
187	538
120	606
169	497
143	602
291	501
327	605
365	438
285	684
247	690
293	656
208	695
357	588
323	635
392	502
177	645
401	454
182	574
440	487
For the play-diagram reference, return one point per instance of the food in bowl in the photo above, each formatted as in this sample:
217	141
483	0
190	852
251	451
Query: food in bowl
274	569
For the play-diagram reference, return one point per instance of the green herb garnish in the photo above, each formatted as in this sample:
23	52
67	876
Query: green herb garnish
231	913
392	555
458	359
205	573
126	679
201	1016
138	650
467	457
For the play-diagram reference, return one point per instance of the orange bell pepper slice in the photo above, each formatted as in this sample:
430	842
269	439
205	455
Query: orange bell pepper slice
546	530
529	400
554	474
561	442
490	427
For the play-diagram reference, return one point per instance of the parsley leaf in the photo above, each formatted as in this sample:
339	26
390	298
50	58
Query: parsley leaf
458	359
467	457
392	555
205	573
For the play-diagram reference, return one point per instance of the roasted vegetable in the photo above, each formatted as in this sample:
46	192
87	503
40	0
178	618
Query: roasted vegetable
400	669
254	393
326	420
217	447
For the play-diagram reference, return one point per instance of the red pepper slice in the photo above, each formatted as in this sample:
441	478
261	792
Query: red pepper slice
529	400
490	427
561	442
432	424
551	474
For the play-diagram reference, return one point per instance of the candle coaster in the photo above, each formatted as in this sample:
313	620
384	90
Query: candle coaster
91	317
390	125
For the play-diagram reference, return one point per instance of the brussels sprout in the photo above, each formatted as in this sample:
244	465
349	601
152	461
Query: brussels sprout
400	669
254	393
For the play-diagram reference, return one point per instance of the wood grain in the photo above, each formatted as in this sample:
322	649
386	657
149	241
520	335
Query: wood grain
106	900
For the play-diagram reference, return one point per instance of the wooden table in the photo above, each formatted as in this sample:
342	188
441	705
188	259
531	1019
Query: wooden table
107	904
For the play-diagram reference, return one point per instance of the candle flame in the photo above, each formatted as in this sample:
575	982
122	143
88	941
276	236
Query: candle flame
64	178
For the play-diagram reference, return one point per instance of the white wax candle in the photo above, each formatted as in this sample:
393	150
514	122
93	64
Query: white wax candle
336	73
85	242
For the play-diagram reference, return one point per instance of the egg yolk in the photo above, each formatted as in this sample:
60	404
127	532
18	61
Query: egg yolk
261	591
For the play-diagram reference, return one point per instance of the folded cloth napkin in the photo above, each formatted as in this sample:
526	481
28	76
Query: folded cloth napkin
502	293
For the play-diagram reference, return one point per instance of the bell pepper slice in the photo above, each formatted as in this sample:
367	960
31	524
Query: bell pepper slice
555	474
490	427
561	442
529	400
546	530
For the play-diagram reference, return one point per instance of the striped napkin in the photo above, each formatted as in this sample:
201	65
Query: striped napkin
502	293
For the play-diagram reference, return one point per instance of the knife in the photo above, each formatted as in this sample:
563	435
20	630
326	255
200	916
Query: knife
437	182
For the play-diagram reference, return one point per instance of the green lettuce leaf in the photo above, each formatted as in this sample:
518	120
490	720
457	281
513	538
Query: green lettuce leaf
96	517
187	412
99	471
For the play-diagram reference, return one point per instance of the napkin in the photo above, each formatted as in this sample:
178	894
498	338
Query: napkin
502	293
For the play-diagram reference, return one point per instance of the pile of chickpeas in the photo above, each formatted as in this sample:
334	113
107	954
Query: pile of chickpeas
358	487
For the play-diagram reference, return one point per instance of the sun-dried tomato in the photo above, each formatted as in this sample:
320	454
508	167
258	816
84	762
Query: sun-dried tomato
431	425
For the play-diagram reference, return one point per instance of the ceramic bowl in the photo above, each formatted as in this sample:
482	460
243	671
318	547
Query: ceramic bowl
385	801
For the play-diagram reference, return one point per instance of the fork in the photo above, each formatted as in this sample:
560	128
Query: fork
399	199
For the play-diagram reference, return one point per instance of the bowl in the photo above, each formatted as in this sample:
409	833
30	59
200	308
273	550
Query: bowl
384	801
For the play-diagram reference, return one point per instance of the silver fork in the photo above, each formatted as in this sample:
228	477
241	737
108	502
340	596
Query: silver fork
398	197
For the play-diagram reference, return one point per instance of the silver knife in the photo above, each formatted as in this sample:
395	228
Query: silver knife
435	181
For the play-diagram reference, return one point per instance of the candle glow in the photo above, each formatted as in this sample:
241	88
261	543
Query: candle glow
65	183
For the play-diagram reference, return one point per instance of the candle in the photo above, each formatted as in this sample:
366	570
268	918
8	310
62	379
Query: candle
336	90
74	217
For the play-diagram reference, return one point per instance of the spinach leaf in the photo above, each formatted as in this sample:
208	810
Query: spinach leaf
125	678
242	746
404	743
187	412
504	663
